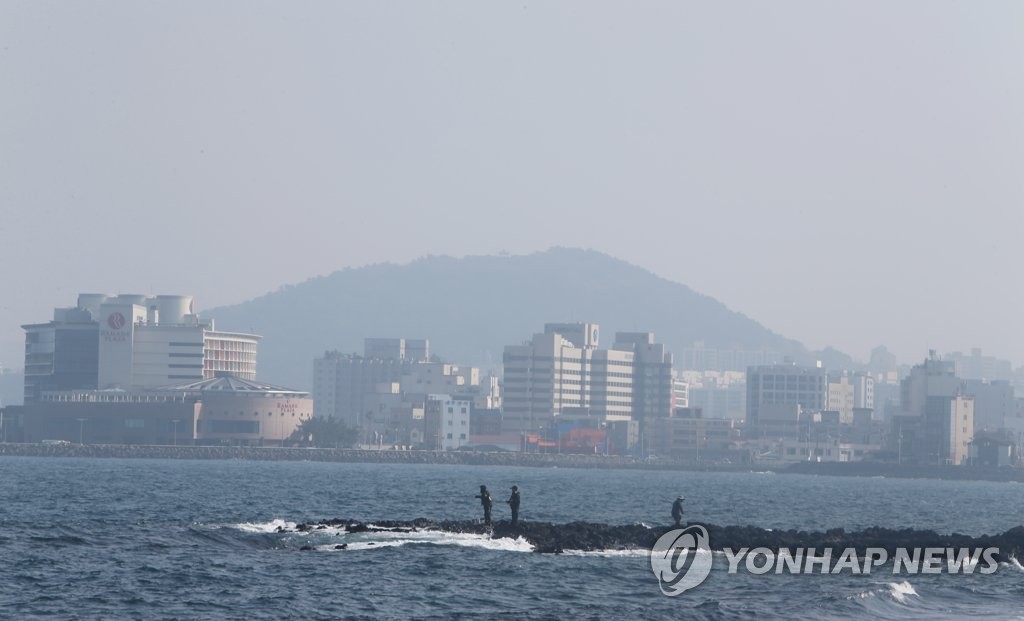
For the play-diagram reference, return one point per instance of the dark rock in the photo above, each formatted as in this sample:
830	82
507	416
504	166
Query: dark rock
586	536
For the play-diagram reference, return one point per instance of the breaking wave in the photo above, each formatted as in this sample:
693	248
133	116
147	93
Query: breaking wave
337	538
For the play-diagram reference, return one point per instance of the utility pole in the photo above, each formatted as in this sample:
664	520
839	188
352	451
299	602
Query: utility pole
899	448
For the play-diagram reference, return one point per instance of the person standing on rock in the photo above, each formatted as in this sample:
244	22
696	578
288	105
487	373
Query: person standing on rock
513	503
486	502
677	510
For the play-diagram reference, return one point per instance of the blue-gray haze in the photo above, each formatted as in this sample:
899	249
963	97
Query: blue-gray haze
846	173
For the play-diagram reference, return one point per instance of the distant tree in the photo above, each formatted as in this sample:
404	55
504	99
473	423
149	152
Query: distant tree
327	432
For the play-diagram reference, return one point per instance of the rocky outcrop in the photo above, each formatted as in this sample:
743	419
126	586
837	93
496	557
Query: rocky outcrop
586	536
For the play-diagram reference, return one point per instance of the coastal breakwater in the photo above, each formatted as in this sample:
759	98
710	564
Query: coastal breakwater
385	456
537	460
591	537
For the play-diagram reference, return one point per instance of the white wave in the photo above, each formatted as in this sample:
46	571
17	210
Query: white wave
861	595
609	553
265	527
391	538
1013	562
900	590
631	552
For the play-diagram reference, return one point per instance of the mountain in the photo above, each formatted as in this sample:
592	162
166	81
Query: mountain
470	308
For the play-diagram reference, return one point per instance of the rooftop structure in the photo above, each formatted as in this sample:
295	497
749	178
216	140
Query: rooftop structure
130	342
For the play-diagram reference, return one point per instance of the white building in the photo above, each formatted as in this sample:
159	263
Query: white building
841	389
680	393
446	422
146	342
562	371
131	342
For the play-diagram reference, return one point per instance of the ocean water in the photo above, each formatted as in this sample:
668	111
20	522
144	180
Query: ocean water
177	539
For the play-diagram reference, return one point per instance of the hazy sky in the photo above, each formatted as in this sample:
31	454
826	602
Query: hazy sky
846	173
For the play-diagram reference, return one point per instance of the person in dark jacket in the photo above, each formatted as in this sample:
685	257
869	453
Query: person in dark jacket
677	510
513	503
486	502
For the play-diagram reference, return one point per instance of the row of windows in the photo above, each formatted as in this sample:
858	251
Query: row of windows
792	381
571	360
224	345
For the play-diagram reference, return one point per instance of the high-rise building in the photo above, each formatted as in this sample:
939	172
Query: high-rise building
344	384
131	342
981	367
995	405
933	378
653	389
62	354
561	371
392	378
698	357
935	421
784	385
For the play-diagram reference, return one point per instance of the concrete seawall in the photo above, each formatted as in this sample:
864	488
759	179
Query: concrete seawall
535	460
343	455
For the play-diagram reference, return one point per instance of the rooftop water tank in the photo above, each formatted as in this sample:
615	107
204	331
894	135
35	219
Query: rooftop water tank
174	308
92	302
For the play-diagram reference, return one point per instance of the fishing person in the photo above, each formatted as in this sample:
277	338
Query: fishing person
487	502
677	510
513	503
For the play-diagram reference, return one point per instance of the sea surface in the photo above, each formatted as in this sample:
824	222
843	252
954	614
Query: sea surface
180	539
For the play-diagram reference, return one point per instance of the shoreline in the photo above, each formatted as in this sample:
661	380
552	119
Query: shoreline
386	456
530	460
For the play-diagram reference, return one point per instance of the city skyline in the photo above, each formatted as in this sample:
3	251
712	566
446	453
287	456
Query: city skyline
904	361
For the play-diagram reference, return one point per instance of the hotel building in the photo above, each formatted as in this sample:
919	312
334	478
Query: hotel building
131	342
